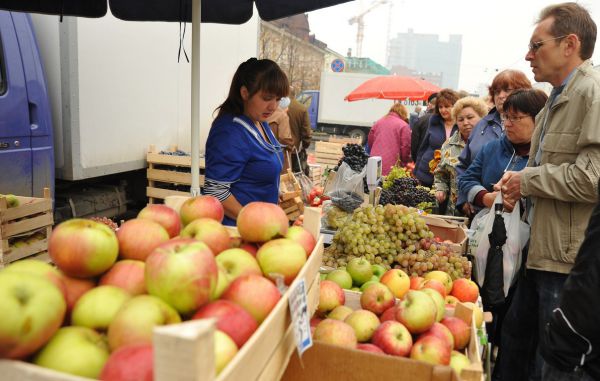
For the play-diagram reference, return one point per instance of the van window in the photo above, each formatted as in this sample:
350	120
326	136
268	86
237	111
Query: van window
305	99
2	70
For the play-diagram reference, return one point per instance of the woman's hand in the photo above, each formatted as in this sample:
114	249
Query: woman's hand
468	209
489	198
440	196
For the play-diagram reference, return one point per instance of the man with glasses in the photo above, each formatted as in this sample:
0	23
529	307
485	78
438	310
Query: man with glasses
560	183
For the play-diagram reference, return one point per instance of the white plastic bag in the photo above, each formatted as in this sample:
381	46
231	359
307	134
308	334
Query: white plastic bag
517	234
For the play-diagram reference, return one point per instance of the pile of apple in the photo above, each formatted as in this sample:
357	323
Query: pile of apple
399	316
93	315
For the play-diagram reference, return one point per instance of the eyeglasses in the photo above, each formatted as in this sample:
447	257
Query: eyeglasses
535	46
512	119
507	91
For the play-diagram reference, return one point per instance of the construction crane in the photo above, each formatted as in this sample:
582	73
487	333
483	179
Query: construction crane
358	19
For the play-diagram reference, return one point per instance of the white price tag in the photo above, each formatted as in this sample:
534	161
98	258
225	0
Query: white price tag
300	318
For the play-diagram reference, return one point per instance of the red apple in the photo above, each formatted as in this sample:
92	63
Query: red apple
367	347
232	319
261	222
134	322
441	276
209	231
182	273
127	274
451	301
331	295
465	290
393	338
32	311
460	331
201	207
75	288
397	281
436	285
364	324
417	311
303	237
442	332
431	349
83	248
255	294
335	332
249	247
129	363
377	298
138	237
281	257
416	282
440	303
314	321
164	215
389	314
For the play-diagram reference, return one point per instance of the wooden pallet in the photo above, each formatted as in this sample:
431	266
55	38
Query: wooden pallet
25	229
166	172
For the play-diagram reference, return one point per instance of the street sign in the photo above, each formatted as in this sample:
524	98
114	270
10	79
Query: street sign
337	65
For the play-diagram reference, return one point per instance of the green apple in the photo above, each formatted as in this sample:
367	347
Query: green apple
360	270
12	201
32	311
323	276
80	351
340	313
225	350
357	289
98	307
341	277
367	284
378	270
458	362
364	324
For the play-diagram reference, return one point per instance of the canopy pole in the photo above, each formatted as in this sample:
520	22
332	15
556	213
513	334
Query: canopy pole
195	168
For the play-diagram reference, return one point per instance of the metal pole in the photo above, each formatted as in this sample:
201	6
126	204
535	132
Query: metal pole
195	168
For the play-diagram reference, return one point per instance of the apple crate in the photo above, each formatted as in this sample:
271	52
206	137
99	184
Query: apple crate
184	352
169	175
451	231
315	173
25	229
290	195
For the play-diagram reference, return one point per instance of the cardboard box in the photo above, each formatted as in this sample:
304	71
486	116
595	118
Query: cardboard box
448	231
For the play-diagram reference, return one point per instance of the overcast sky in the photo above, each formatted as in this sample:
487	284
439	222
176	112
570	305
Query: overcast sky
495	32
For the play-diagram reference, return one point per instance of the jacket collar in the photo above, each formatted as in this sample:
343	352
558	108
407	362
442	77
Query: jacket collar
580	70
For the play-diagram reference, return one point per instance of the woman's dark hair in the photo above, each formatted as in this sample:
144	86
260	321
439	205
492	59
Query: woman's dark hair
446	97
528	101
255	75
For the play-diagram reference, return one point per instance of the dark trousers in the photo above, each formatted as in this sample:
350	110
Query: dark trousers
550	373
537	294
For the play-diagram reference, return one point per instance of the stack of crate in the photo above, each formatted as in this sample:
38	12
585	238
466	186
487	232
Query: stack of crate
328	154
315	173
290	196
25	228
344	140
169	175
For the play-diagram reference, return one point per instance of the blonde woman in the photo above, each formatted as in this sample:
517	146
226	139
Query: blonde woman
467	112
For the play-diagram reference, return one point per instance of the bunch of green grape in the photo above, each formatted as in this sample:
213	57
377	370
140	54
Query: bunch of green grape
394	236
395	173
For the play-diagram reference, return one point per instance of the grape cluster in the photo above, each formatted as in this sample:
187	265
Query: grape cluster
355	156
407	191
174	153
395	173
106	221
394	236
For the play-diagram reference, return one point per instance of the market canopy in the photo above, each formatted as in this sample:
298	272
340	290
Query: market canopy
195	11
393	87
212	11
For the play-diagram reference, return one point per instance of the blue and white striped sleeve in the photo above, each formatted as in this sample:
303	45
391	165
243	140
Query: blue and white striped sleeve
218	189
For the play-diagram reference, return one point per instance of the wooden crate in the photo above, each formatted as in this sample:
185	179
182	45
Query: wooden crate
344	140
315	173
328	154
166	172
290	195
184	352
25	229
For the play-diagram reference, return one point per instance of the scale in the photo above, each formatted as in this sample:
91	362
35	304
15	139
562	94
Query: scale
374	168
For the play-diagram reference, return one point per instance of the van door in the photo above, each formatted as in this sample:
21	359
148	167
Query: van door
16	174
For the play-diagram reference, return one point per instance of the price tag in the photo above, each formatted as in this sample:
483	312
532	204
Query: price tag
300	318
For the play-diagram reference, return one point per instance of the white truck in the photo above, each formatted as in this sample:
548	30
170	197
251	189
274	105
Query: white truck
330	113
114	88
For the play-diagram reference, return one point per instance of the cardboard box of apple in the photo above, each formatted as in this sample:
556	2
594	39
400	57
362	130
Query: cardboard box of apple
398	315
93	314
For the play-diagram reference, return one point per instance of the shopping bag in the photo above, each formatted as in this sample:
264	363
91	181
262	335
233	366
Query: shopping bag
346	191
517	233
304	181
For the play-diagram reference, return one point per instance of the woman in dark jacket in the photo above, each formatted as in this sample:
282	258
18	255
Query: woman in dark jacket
441	126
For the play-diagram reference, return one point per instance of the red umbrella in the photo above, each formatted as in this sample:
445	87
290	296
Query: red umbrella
393	87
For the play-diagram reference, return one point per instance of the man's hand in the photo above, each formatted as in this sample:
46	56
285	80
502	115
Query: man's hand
510	186
440	196
489	198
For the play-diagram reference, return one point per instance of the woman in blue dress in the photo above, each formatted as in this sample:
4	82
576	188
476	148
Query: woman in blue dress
243	157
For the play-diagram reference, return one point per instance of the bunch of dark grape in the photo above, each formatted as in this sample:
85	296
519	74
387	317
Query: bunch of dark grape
174	153
106	221
406	191
355	156
394	236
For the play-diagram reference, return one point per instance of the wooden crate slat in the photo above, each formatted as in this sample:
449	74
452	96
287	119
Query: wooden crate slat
182	161
16	253
175	177
328	163
289	195
38	205
162	193
331	156
18	227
